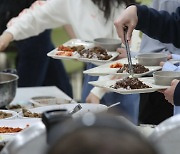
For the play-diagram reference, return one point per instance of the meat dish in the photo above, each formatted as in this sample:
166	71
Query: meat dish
130	83
95	53
137	69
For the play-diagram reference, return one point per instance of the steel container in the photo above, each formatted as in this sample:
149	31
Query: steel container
8	86
151	59
109	44
165	77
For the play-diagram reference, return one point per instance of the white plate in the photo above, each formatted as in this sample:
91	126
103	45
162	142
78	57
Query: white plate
85	108
148	80
52	54
72	42
106	70
14	114
21	123
76	42
43	101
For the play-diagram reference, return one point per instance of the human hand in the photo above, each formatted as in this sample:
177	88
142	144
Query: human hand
5	39
91	98
128	19
168	58
169	92
122	53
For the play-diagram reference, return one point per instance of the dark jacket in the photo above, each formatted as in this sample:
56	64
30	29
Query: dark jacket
159	25
162	26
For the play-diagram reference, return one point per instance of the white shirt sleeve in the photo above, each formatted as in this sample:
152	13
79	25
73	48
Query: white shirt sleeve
38	17
100	92
175	57
170	67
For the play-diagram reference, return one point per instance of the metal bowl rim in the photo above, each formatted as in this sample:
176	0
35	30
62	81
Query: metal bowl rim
160	55
115	43
155	74
16	77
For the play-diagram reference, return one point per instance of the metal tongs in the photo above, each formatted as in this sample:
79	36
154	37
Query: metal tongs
128	53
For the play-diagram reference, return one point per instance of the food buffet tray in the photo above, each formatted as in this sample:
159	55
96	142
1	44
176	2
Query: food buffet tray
105	69
147	80
76	56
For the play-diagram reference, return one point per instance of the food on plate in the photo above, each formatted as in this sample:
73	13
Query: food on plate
5	115
68	50
16	106
10	129
64	53
116	65
27	113
130	83
137	69
71	48
95	53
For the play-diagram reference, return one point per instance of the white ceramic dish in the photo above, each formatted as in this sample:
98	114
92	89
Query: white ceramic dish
72	42
21	123
52	54
106	70
95	108
147	80
14	114
76	56
45	101
76	42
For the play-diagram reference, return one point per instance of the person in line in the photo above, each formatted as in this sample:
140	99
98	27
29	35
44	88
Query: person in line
153	107
33	66
89	19
82	136
143	18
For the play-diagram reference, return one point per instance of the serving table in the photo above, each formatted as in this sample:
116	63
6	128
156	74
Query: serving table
23	95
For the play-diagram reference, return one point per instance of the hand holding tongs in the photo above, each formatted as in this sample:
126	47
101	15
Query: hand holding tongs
128	53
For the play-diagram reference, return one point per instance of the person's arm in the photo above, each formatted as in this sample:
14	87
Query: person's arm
159	24
168	66
70	31
40	16
176	95
156	24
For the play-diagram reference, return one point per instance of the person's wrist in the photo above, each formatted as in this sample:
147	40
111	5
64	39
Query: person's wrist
8	36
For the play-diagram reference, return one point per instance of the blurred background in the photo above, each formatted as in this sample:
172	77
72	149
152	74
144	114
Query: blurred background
73	68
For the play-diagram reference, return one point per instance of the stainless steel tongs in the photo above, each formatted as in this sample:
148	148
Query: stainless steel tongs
128	53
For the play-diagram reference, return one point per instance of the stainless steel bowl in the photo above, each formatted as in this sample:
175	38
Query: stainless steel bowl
108	43
165	77
8	86
151	59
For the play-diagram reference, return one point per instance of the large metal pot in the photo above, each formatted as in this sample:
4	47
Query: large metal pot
8	85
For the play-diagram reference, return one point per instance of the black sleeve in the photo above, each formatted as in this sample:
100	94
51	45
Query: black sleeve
177	95
159	25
